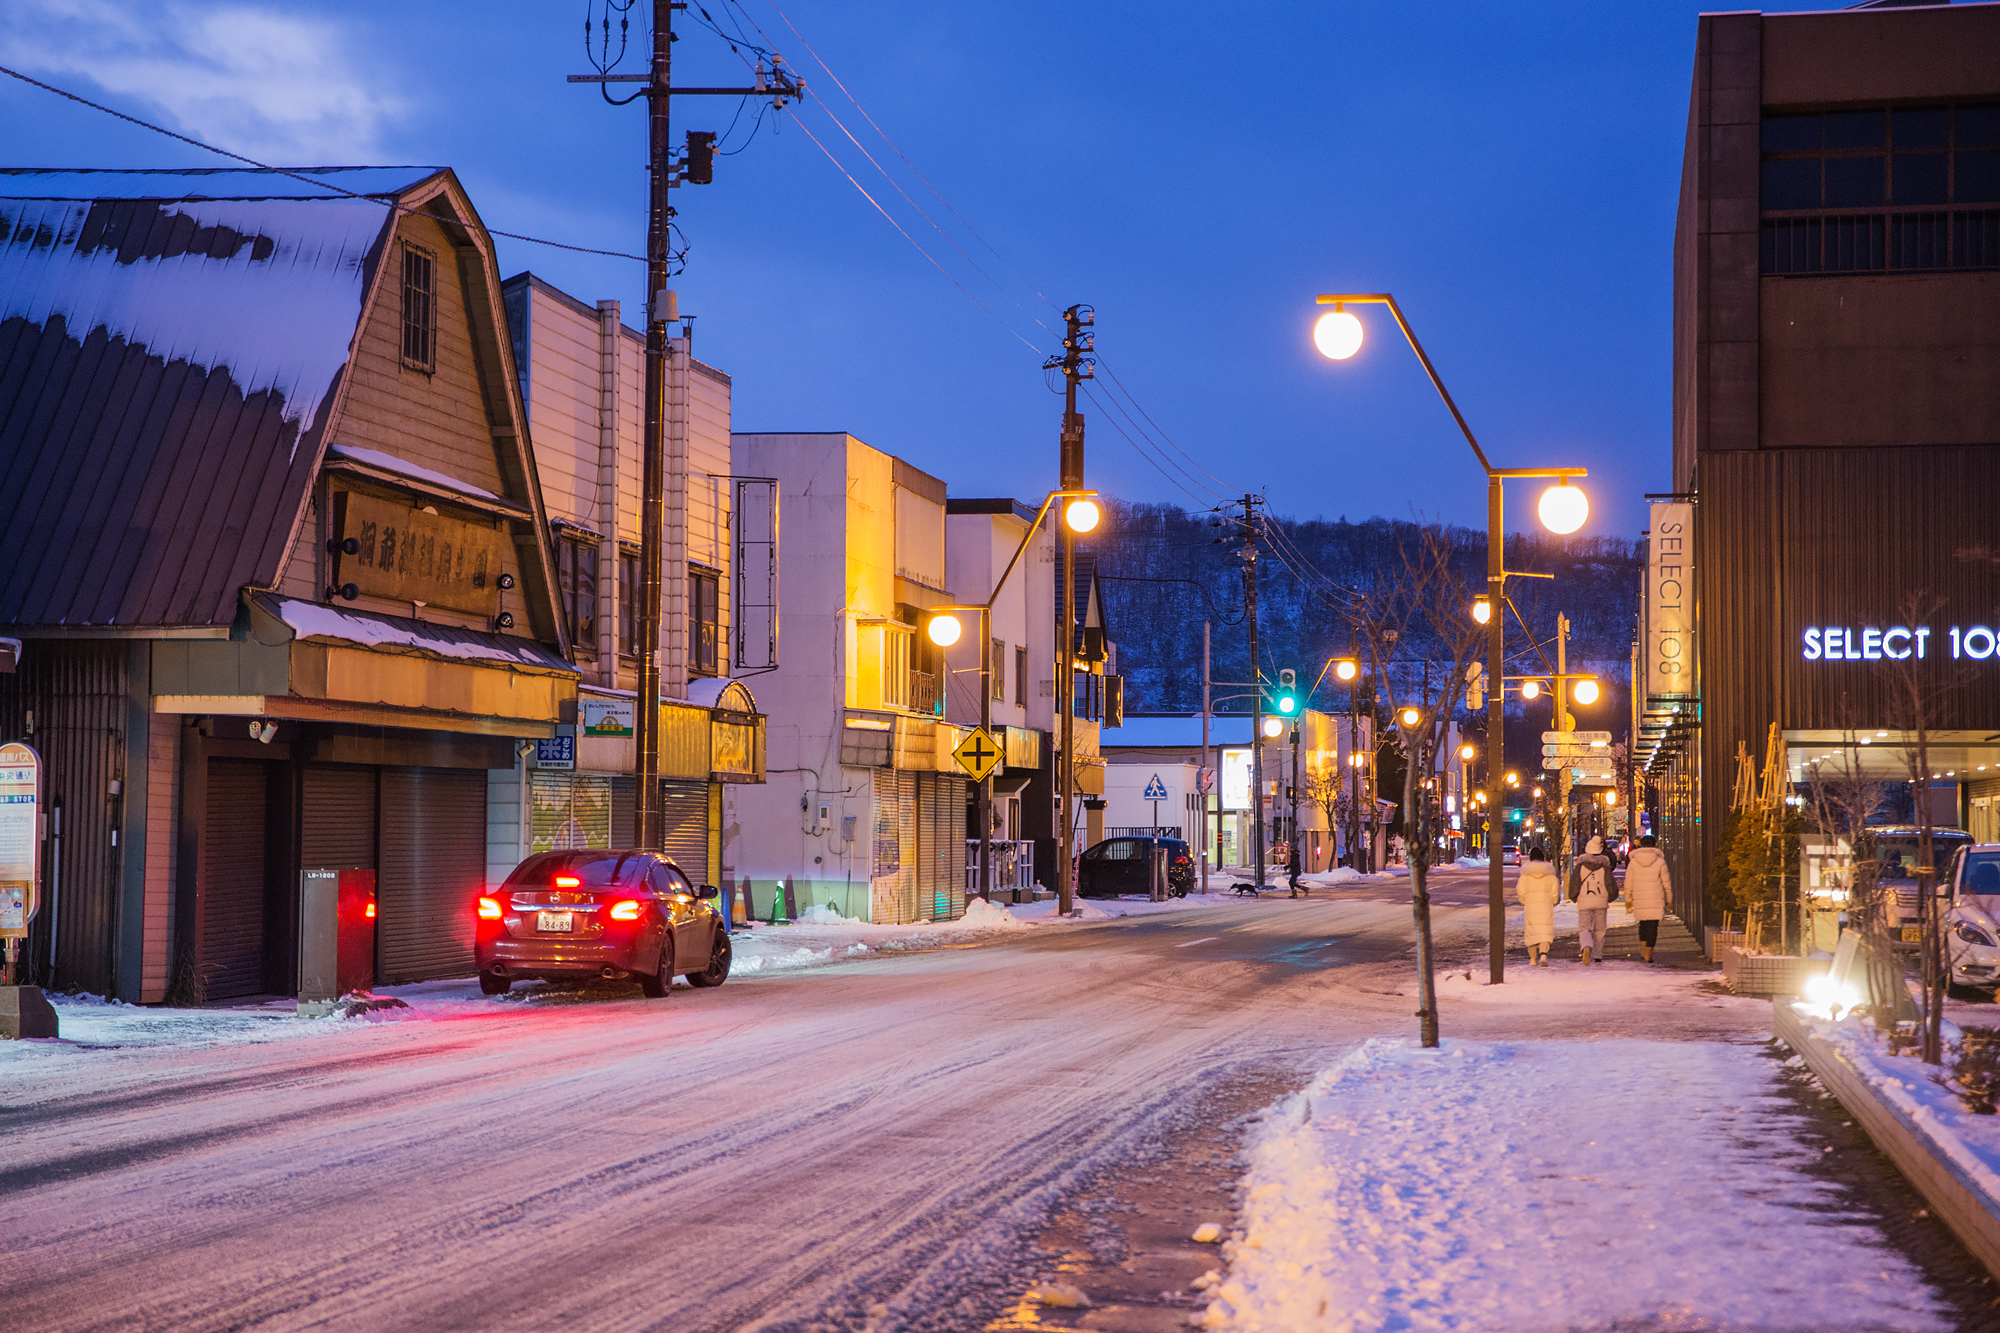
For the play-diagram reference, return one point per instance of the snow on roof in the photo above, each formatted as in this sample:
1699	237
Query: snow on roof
1168	733
310	620
715	692
270	290
402	468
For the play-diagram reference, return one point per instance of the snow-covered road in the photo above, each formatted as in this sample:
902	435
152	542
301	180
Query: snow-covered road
785	1152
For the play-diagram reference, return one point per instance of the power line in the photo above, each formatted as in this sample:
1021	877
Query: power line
294	175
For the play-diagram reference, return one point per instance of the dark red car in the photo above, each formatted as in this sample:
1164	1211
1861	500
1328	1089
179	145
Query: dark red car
612	914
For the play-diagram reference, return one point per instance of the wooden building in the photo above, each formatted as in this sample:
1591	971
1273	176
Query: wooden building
272	533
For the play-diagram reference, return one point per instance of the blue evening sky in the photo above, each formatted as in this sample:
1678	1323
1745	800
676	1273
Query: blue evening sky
1197	173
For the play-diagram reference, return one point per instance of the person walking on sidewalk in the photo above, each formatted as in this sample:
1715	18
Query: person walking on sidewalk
1537	891
1647	886
1591	888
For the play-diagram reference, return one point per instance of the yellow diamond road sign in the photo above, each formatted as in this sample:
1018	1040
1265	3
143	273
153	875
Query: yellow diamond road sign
978	754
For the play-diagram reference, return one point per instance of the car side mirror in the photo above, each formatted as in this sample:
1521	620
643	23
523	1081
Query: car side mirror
707	891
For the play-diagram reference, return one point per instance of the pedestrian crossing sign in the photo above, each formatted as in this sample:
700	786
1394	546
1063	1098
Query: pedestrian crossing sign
1156	790
978	754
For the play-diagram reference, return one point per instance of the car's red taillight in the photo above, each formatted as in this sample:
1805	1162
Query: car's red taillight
489	909
627	911
371	911
568	882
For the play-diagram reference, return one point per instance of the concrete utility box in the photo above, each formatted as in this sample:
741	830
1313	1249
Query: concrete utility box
26	1012
356	969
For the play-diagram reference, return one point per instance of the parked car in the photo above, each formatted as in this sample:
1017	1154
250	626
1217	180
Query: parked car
1896	851
1510	855
1972	922
1121	865
601	913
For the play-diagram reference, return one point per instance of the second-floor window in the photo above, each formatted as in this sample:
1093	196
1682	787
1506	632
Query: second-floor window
419	309
1021	676
704	622
997	663
576	579
628	604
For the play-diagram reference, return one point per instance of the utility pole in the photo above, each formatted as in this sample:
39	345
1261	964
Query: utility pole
1256	686
1076	364
662	174
1204	758
1564	722
1297	856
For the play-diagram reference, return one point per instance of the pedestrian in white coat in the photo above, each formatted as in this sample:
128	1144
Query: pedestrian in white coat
1538	891
1647	887
1591	888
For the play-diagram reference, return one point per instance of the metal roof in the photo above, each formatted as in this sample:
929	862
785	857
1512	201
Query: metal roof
168	340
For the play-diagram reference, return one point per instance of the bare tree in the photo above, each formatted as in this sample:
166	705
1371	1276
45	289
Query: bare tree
1914	703
1413	626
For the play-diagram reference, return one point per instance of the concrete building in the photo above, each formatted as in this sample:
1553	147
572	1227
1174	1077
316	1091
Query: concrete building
1836	414
864	808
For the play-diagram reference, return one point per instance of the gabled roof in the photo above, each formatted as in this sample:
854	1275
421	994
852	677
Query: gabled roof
169	343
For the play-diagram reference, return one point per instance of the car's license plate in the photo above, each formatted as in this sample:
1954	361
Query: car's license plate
554	920
1913	934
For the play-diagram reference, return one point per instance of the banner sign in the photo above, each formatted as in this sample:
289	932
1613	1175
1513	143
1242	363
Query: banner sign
1670	600
606	716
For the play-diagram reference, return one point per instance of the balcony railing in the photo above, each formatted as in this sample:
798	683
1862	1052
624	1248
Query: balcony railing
923	693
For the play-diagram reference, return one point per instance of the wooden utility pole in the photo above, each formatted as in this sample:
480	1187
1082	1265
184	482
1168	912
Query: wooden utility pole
1076	363
663	173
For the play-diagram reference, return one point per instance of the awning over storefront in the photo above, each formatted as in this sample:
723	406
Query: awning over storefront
716	735
295	659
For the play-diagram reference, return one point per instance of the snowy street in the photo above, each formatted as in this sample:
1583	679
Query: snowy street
874	1141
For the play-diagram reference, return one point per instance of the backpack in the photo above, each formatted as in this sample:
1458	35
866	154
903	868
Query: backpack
1595	877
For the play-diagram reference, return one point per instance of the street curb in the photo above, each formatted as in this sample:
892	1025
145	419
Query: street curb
1972	1214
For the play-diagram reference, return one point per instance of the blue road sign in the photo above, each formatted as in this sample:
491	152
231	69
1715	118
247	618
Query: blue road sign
1156	790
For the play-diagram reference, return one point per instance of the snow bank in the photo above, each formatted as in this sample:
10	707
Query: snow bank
1473	863
1525	1186
88	1023
1327	879
1970	1141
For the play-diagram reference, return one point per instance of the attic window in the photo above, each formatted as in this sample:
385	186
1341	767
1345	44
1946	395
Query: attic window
419	309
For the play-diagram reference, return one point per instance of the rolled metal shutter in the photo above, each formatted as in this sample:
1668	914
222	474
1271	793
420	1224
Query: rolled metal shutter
684	827
232	880
337	824
432	871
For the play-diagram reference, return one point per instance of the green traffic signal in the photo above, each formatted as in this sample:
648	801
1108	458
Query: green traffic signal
1288	692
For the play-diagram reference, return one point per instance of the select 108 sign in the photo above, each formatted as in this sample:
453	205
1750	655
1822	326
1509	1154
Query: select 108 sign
1898	643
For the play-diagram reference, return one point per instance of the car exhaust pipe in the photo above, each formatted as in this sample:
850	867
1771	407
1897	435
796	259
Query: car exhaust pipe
612	973
498	970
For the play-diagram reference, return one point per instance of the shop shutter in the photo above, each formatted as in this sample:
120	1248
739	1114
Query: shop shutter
433	868
893	877
337	818
684	827
232	885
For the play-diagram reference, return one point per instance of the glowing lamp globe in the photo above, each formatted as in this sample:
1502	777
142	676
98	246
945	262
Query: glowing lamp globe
1338	335
1563	508
1081	515
1466	752
1346	669
1482	610
1531	689
1272	726
1411	717
944	630
1586	691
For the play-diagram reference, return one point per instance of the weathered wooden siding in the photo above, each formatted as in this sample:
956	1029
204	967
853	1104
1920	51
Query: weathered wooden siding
302	568
438	420
163	760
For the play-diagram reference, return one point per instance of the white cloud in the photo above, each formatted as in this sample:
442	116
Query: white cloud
264	81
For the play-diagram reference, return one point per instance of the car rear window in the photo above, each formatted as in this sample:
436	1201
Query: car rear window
595	869
1898	858
1982	874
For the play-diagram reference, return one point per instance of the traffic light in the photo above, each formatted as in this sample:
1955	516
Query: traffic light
701	157
1287	698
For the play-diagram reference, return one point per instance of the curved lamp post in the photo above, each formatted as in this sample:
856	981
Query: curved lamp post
1562	509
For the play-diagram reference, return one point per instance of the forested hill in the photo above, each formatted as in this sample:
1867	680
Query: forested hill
1157	624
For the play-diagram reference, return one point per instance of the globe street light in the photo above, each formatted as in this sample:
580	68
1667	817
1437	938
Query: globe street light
944	629
1563	508
1082	515
1346	669
1586	691
1338	335
1482	609
1531	689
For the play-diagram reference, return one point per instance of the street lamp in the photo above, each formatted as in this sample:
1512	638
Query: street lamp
1531	689
945	629
1346	669
1482	609
1339	336
1586	691
1272	726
